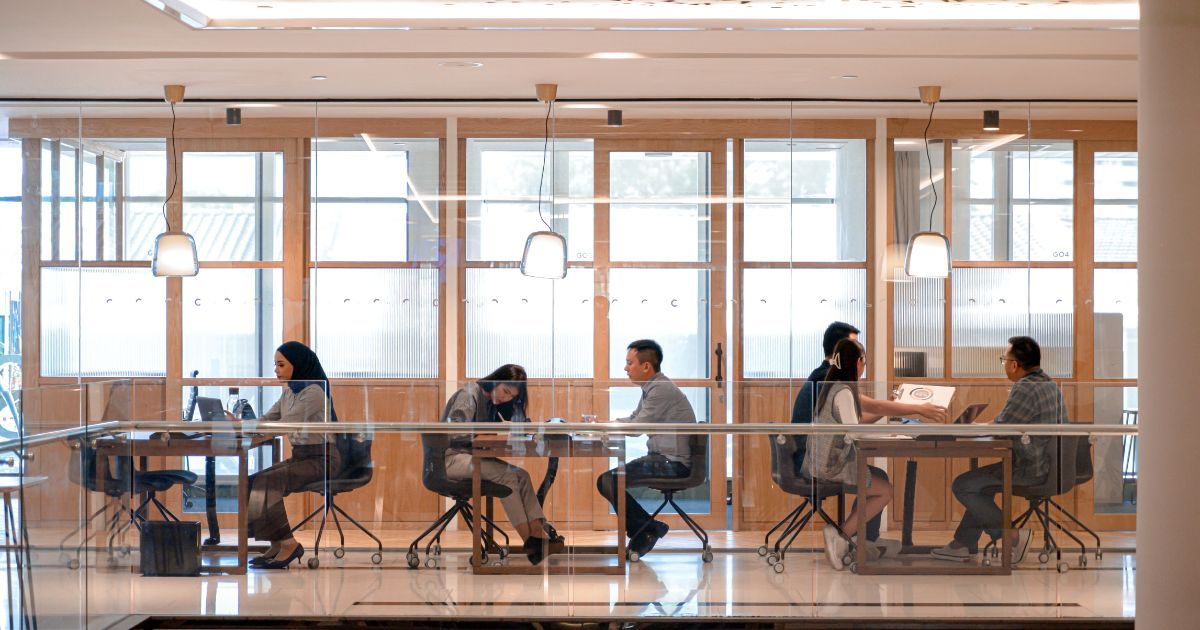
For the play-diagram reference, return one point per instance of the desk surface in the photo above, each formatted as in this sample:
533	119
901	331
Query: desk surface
140	443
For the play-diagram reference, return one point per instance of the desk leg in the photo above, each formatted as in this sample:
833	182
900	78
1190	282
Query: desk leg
621	508
864	477
476	512
1006	510
243	502
910	499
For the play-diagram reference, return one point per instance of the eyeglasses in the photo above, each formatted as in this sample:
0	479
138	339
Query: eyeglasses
1004	359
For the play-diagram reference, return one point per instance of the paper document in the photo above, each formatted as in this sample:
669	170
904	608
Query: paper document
920	394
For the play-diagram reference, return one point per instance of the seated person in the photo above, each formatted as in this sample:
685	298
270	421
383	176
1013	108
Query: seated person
484	401
834	458
1034	399
872	410
668	455
315	456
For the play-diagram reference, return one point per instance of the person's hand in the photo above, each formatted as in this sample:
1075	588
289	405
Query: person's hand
229	416
932	412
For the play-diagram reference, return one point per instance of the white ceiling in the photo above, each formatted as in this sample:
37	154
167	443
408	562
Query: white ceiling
129	49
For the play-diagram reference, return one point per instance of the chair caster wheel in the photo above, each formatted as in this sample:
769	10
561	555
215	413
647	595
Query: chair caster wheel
778	567
411	558
483	558
313	563
987	562
772	560
1044	557
848	559
762	551
1083	561
437	549
1063	567
707	556
376	558
503	552
339	553
632	556
73	563
853	566
431	562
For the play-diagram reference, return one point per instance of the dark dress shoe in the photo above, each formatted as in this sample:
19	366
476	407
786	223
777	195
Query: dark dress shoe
537	549
283	564
259	560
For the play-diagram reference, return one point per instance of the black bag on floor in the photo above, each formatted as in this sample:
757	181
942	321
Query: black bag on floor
170	548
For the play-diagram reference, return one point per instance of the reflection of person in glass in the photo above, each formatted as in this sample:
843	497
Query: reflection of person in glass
667	456
315	456
834	458
487	400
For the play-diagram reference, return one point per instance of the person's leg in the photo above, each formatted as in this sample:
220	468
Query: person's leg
976	490
876	521
875	497
521	505
309	464
606	484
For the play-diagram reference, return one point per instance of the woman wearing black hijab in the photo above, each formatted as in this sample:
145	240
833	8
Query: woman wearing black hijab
314	457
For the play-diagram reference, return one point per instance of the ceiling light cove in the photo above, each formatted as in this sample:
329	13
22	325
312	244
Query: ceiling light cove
461	64
392	13
616	55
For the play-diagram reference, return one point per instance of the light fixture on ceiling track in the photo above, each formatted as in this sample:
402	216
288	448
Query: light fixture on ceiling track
174	252
928	254
615	118
545	253
991	120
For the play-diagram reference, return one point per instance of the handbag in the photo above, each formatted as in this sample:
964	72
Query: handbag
170	548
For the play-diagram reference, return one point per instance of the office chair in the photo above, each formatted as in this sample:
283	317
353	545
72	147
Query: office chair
668	486
1064	475
357	469
433	476
83	470
812	493
1129	457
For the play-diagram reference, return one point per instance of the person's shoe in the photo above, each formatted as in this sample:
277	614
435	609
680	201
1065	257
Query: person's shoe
276	563
887	547
643	543
835	548
538	549
955	552
660	528
1022	545
259	560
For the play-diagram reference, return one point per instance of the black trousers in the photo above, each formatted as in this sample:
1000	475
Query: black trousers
650	466
977	490
266	516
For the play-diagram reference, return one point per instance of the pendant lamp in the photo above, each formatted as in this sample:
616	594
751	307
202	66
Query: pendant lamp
545	254
928	254
174	251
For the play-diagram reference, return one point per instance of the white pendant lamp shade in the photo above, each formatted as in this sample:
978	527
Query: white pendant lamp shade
545	256
175	255
928	256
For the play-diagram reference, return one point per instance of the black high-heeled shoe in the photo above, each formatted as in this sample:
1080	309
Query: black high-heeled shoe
258	561
283	564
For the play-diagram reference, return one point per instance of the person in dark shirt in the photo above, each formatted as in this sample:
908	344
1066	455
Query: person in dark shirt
872	409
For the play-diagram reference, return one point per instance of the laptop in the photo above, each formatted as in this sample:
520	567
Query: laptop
211	409
969	414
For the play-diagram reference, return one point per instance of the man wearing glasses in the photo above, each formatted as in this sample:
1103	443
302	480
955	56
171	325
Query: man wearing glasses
1034	399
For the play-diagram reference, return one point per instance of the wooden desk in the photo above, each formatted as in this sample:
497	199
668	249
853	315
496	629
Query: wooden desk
943	448
546	446
140	444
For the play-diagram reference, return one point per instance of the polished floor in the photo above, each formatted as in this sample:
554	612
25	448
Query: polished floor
671	583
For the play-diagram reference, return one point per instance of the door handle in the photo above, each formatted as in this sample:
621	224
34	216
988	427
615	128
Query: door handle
720	365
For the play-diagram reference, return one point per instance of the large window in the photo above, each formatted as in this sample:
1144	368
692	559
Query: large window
1115	301
10	264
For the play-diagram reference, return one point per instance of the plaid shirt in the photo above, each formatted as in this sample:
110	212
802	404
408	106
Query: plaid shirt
1035	399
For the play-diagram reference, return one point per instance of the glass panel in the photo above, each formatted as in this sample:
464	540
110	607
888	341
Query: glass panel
502	196
1013	199
232	322
103	322
144	173
545	326
11	172
260	400
1116	323
621	403
660	194
667	305
914	194
784	322
823	204
375	199
991	305
59	204
1116	199
233	204
376	323
1115	458
919	326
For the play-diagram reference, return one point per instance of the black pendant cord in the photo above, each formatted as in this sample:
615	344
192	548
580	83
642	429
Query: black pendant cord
174	174
929	160
542	176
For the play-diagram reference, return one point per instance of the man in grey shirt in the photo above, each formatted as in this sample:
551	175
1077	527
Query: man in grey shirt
668	456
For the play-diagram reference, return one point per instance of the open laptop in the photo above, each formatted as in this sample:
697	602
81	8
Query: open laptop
969	414
211	409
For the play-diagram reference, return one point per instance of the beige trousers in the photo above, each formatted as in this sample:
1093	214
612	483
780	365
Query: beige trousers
521	505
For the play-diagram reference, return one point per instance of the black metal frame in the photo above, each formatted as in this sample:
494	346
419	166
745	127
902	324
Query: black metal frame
327	505
1041	508
116	524
797	520
462	506
669	498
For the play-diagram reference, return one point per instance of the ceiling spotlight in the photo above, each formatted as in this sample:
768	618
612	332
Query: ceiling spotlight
318	77
991	120
614	118
616	55
848	77
461	64
233	116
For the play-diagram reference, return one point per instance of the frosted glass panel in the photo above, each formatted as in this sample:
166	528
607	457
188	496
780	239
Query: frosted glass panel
668	305
657	212
817	215
502	196
376	323
1116	323
919	326
543	325
232	322
233	204
376	200
103	322
784	321
991	305
1116	199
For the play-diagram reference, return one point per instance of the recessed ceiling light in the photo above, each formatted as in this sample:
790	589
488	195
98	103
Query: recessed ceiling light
584	106
265	6
400	144
318	77
848	77
461	64
615	55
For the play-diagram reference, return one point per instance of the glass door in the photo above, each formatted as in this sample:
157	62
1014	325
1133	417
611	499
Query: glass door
660	268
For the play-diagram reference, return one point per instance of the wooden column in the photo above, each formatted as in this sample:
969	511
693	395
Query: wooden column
31	262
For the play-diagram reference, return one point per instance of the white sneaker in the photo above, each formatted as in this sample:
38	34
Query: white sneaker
835	548
887	547
1022	546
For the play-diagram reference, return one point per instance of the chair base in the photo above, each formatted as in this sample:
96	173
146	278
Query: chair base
796	521
1042	508
701	534
330	506
433	547
116	526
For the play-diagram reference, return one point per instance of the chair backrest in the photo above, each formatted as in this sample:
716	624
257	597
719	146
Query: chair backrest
1083	460
699	457
1061	477
356	460
433	469
783	449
